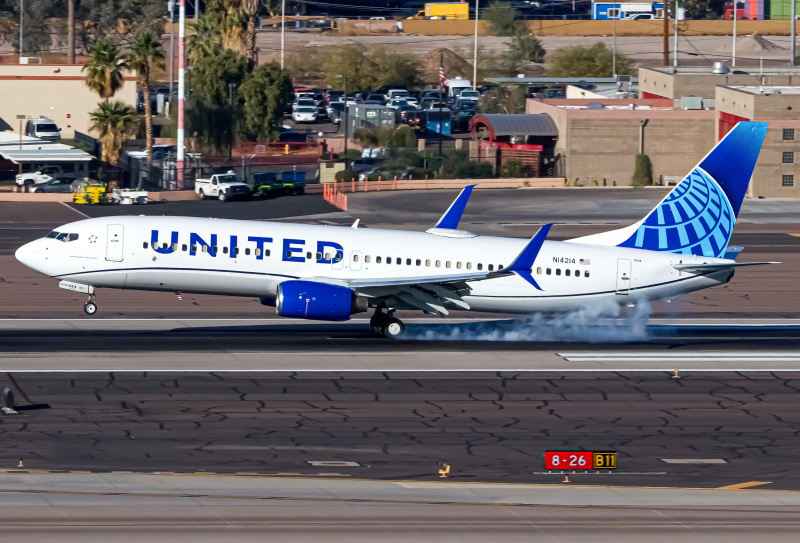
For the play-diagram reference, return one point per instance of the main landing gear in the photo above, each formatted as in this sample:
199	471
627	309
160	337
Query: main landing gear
90	307
386	324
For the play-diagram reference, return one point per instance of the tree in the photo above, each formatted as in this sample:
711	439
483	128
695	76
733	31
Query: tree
104	69
206	40
117	20
211	77
113	122
231	20
506	99
643	172
144	55
580	61
525	48
265	93
251	8
395	68
502	18
352	61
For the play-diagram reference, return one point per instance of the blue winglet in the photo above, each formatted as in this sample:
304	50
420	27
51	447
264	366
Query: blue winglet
524	262
452	216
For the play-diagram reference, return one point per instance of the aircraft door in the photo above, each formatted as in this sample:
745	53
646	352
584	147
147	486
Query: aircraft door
114	243
623	276
355	260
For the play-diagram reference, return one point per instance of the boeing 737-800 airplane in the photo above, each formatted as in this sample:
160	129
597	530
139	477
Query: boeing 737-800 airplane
330	273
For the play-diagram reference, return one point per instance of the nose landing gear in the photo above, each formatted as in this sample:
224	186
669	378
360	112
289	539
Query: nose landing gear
90	307
386	324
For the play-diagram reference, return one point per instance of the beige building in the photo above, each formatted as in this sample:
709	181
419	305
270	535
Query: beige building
599	139
678	82
57	92
777	173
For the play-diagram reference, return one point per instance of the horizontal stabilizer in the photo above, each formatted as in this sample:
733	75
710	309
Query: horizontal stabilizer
524	262
701	268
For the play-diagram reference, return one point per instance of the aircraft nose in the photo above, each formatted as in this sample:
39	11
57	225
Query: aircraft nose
28	254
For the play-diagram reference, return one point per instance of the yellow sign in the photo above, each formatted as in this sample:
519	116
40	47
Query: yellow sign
604	460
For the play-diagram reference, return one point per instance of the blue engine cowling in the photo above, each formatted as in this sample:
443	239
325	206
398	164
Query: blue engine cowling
318	301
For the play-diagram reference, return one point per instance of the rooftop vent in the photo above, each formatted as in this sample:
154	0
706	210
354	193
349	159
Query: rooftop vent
720	68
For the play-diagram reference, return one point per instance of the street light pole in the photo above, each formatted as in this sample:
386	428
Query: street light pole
793	48
733	48
21	17
283	29
171	8
675	56
344	84
475	50
181	93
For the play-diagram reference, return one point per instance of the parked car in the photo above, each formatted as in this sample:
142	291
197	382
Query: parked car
405	114
305	114
336	112
159	152
43	175
379	98
59	184
470	95
397	102
223	186
463	111
383	173
363	164
304	102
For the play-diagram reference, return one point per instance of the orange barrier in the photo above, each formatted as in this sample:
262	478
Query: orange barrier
332	195
430	184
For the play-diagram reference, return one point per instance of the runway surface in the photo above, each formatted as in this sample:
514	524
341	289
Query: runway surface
125	507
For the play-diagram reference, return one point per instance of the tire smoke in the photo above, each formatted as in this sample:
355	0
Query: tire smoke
598	323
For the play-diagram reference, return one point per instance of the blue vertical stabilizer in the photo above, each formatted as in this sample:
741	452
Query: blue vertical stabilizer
697	217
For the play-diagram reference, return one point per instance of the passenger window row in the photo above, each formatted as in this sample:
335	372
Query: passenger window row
367	258
567	273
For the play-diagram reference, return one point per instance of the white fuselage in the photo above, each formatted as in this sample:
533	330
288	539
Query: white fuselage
253	257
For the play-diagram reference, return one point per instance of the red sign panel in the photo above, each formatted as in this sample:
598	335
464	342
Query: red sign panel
568	460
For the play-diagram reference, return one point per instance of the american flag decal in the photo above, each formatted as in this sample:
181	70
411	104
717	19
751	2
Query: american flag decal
585	261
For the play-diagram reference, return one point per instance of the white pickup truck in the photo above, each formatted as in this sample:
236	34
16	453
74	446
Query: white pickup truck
223	186
44	175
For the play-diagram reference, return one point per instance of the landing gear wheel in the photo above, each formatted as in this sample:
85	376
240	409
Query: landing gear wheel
393	328
378	322
90	308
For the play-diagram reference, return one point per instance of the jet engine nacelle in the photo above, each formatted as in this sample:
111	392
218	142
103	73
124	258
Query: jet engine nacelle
318	301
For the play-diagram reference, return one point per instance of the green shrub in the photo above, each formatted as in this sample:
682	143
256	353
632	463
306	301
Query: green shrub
474	170
502	18
345	175
643	173
350	154
514	168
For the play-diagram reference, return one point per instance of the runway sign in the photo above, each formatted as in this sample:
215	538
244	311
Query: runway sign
579	460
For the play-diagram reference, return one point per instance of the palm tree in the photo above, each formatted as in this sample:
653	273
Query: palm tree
113	122
104	69
206	40
251	8
144	55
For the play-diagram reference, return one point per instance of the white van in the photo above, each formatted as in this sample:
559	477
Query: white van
43	128
456	85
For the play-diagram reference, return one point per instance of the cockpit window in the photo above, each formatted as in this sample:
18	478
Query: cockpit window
63	236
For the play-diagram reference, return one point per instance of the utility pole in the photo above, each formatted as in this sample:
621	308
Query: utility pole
181	92
171	8
441	100
283	29
346	107
475	50
675	56
733	47
793	48
70	31
21	18
666	33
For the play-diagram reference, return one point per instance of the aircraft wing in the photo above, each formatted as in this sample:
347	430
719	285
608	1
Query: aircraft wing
702	268
432	293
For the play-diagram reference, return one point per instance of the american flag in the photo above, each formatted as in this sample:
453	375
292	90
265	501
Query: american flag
585	261
442	78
